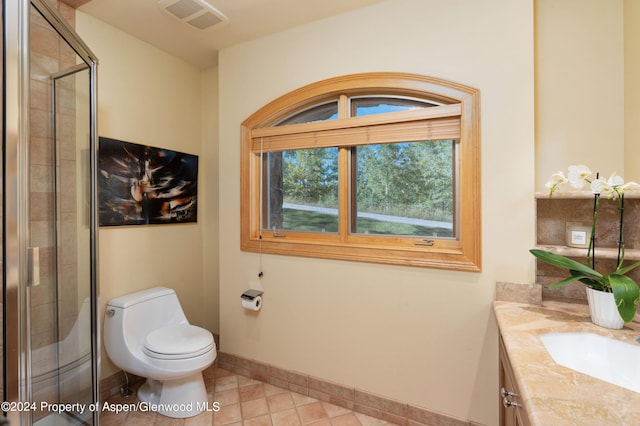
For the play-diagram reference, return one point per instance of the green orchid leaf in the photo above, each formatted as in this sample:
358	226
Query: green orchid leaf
626	270
626	293
589	280
567	281
564	262
593	283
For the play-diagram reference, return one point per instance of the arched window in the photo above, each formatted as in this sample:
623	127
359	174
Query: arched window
376	167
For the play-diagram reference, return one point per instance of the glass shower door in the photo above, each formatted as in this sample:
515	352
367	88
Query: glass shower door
61	369
49	222
62	290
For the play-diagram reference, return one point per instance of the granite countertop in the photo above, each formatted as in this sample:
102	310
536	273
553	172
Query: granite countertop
553	394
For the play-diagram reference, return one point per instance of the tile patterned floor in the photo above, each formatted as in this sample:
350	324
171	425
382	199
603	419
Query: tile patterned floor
247	402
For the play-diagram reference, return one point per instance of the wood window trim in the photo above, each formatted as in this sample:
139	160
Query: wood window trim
460	105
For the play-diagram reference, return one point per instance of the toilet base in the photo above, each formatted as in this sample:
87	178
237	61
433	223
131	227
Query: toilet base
179	399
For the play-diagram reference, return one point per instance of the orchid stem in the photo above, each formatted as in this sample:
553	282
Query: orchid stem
620	236
592	242
591	252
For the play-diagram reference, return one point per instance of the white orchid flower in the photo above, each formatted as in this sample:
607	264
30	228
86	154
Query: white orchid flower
578	176
600	186
622	187
630	186
555	180
612	187
615	180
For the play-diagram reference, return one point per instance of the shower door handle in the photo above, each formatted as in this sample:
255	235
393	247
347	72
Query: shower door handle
33	267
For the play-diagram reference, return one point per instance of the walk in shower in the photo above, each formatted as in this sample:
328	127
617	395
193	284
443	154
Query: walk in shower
50	329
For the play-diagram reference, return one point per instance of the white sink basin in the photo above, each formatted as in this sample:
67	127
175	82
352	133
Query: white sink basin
601	357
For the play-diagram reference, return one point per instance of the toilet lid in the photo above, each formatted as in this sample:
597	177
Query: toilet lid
178	341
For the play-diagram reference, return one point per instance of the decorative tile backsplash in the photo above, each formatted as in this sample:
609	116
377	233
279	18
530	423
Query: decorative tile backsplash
553	214
519	293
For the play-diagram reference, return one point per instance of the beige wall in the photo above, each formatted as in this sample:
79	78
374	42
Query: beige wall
422	336
149	97
580	87
632	89
210	200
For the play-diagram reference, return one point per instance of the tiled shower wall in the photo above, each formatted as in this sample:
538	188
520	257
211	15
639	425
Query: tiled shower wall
553	214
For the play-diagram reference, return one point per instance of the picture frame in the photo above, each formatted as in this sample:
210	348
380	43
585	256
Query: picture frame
145	185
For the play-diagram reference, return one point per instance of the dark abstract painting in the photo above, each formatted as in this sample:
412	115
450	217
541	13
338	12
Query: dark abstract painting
141	185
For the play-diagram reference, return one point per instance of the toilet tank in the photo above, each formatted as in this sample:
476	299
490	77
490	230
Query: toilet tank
137	314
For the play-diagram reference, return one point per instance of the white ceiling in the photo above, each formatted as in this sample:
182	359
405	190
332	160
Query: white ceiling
248	19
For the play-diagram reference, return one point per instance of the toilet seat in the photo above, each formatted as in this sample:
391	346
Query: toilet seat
178	341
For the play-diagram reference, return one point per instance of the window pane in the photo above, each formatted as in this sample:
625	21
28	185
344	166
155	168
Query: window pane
380	105
302	188
324	112
405	189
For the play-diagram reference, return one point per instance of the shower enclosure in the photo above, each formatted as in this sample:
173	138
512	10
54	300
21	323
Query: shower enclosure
50	329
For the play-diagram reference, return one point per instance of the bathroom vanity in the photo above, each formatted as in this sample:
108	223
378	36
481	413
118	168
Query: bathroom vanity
547	392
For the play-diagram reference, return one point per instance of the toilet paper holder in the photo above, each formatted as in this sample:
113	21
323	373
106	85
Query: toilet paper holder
251	294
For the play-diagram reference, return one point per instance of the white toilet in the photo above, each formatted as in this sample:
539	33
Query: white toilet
146	333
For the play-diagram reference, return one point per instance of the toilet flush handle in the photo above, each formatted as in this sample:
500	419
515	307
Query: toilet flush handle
111	312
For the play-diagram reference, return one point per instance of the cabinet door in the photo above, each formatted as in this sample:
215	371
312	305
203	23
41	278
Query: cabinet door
511	411
507	415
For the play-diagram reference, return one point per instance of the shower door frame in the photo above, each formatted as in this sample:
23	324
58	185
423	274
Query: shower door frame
16	205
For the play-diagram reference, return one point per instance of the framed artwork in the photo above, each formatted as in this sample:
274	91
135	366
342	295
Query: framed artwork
141	185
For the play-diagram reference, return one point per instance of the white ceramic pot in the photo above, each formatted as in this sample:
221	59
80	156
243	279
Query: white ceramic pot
604	311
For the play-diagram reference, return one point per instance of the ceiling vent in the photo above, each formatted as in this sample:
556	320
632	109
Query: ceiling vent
197	13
